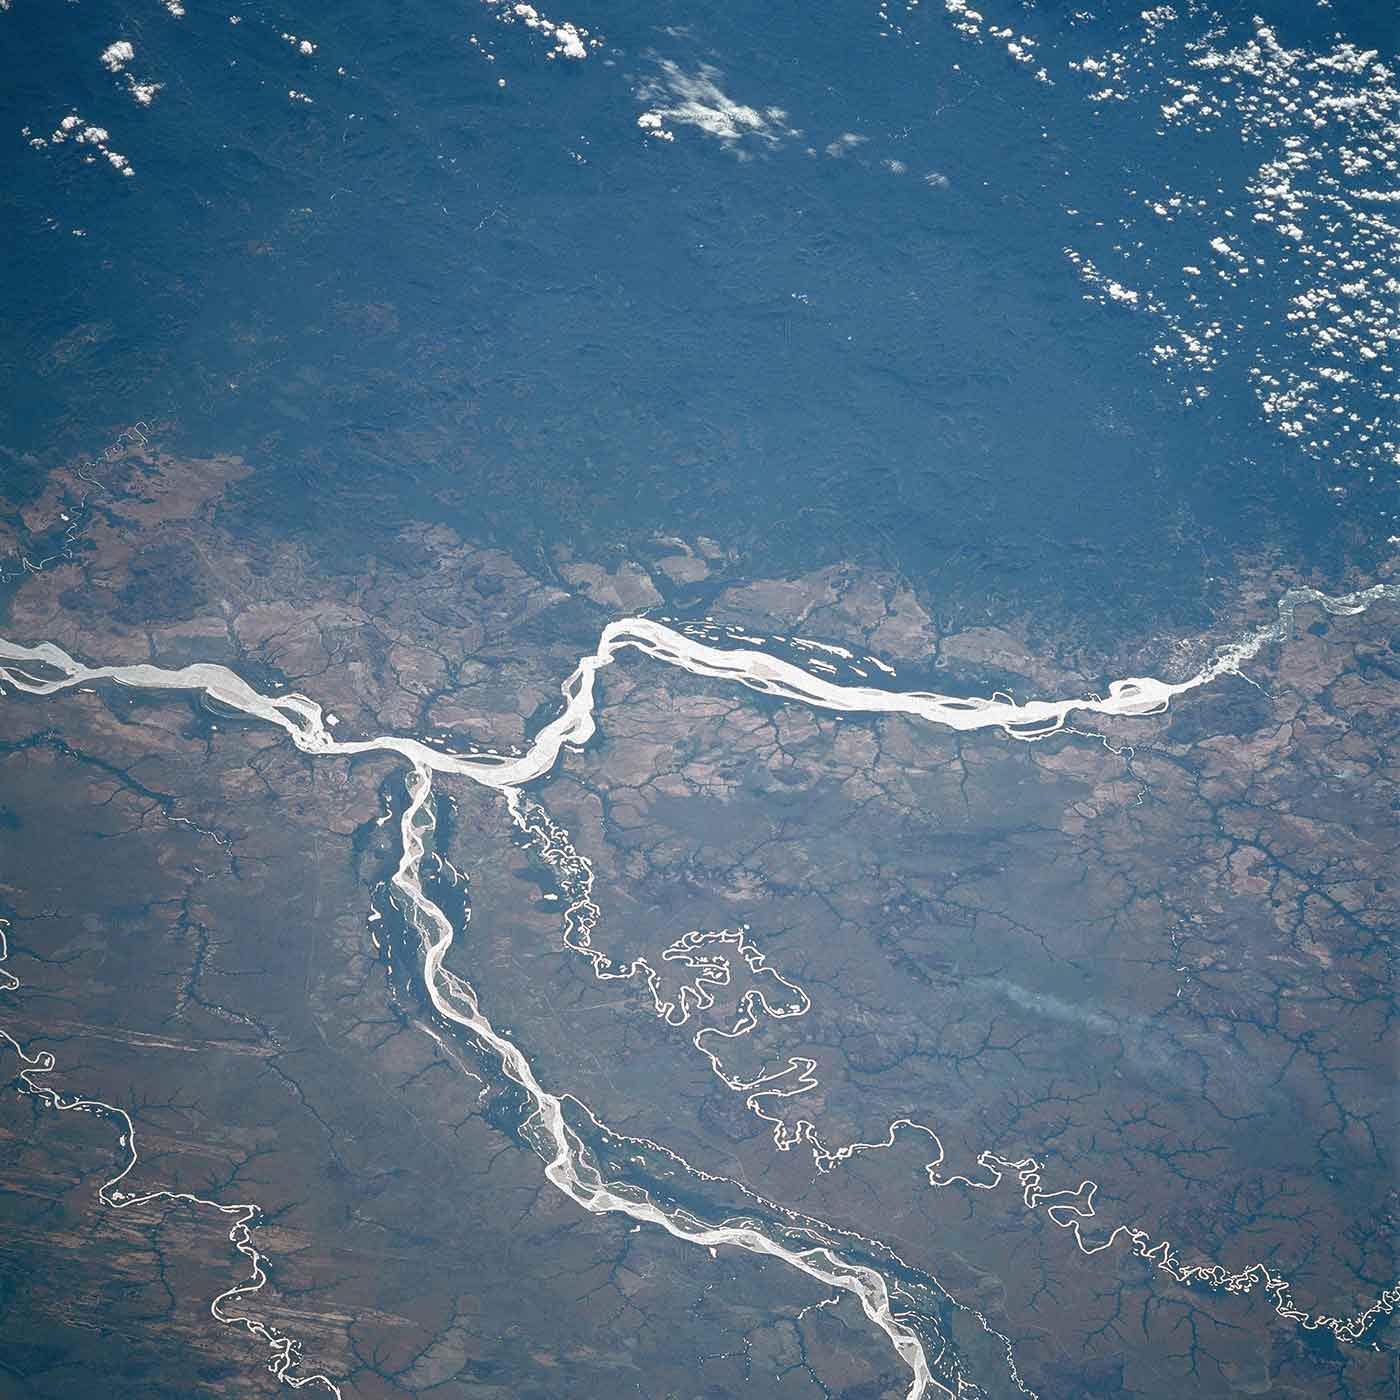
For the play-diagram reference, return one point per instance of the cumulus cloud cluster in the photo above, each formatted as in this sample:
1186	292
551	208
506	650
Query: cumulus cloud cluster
1293	272
568	40
114	59
91	139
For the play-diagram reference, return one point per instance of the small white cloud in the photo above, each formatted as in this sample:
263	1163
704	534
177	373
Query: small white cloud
568	42
847	141
116	56
653	124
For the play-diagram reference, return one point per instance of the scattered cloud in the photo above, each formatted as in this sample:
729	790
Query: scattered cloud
678	97
847	141
93	140
569	40
1286	269
654	125
115	58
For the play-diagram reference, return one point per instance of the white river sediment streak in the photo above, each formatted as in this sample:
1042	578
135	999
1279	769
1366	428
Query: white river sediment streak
44	669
